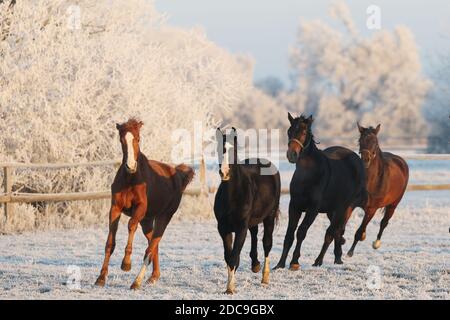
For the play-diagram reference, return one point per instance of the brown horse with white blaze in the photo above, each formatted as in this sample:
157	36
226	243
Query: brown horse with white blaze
387	179
147	191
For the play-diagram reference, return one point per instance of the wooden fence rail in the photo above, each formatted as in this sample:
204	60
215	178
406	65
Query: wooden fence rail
8	198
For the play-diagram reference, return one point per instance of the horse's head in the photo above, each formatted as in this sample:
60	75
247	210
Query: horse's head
226	151
300	136
129	139
368	144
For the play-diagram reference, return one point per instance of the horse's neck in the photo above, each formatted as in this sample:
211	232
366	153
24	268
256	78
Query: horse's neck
238	182
375	172
312	152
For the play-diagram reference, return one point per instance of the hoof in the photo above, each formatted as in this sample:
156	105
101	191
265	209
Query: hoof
350	254
126	266
376	244
100	282
135	286
153	279
294	267
338	261
265	281
279	266
256	268
317	263
230	292
363	236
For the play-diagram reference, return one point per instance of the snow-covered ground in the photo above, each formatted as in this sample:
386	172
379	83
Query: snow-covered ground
413	261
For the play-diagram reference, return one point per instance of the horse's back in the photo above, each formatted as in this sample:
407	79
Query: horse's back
337	152
395	160
348	170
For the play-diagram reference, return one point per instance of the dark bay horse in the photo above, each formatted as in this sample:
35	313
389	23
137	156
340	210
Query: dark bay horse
248	195
387	179
147	191
330	181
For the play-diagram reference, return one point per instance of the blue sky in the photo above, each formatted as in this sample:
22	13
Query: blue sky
266	28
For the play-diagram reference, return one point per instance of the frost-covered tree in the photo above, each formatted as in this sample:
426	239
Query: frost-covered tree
437	110
68	74
342	77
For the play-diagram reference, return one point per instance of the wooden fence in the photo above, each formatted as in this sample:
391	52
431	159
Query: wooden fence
9	197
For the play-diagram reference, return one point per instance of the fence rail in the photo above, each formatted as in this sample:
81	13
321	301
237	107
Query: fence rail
9	197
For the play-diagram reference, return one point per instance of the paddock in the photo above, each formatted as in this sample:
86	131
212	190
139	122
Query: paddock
412	263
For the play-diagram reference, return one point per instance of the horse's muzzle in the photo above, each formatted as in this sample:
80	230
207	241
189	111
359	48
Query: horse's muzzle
131	170
292	156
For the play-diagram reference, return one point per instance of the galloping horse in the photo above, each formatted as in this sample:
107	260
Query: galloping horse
147	191
247	196
330	181
387	178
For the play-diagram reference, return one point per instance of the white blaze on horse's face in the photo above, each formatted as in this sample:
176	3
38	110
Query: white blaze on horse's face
225	168
131	161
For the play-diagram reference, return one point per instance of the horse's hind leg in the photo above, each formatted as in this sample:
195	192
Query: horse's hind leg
310	216
360	234
269	224
338	236
294	216
390	209
114	217
147	229
161	222
329	236
256	266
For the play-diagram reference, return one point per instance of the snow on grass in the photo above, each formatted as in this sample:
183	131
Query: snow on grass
414	261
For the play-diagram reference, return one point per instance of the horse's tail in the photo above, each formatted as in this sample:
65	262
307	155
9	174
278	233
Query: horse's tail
277	217
186	174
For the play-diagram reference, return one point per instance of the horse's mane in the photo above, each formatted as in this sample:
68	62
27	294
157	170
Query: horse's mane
131	124
302	118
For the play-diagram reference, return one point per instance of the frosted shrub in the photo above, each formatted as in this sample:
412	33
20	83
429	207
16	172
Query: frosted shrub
63	89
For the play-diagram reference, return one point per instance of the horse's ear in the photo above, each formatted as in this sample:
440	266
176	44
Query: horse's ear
310	119
360	128
290	117
377	129
117	126
234	129
140	124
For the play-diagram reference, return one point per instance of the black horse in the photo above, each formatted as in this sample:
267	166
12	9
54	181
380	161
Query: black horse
330	181
248	195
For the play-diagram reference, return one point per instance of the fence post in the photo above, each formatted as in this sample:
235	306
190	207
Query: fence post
8	183
203	182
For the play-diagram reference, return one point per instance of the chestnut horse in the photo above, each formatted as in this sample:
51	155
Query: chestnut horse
147	191
248	195
387	179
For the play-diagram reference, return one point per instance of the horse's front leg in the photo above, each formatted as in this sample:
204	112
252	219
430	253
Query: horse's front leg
137	216
294	216
360	234
269	224
241	233
114	217
310	216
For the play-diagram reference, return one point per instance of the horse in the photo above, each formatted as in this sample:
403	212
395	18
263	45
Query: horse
387	179
331	181
246	197
147	191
